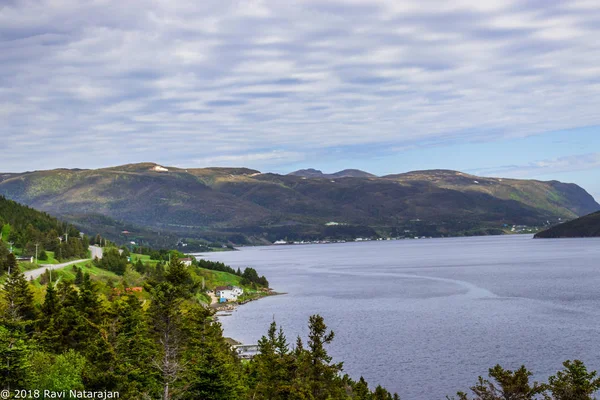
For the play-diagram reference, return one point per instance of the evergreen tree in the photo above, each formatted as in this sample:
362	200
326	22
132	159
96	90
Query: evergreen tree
135	350
14	364
323	374
361	390
19	298
78	275
50	306
573	383
213	372
165	314
512	385
273	366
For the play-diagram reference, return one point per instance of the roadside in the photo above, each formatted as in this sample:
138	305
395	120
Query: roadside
36	273
95	251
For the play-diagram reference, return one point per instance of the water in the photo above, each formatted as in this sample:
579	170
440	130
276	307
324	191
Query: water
424	318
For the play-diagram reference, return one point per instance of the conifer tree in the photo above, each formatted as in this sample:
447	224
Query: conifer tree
573	383
14	364
19	298
212	370
323	374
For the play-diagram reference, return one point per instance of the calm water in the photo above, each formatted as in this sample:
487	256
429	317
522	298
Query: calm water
426	317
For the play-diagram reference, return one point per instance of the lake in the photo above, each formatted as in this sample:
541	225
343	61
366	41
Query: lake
425	318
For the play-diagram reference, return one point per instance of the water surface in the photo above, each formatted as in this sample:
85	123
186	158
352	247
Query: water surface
424	318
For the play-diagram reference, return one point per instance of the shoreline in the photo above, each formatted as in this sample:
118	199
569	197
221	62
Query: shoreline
232	306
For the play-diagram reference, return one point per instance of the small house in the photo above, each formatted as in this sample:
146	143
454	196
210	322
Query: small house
227	293
187	261
25	259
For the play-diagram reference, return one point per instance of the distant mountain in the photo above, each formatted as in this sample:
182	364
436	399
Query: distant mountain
346	173
587	226
243	205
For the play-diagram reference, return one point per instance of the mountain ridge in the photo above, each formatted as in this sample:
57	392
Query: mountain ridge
345	173
243	205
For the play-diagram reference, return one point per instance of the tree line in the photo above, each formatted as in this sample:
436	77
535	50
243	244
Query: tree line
172	348
34	233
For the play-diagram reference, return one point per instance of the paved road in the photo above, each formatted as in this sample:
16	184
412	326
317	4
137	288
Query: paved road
35	273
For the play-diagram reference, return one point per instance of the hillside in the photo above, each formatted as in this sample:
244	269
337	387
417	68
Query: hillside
241	205
22	228
587	226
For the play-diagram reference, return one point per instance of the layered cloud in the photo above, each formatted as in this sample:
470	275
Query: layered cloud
266	82
580	162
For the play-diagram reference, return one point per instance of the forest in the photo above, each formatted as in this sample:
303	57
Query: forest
170	347
29	232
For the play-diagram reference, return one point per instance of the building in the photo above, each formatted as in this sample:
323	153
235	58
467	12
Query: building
228	293
187	261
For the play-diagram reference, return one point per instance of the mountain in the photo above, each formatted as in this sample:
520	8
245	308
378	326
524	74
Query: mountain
241	205
346	173
587	226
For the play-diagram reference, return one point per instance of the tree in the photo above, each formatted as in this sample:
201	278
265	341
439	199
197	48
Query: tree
135	350
57	373
573	383
19	298
78	275
323	374
165	317
273	366
361	390
14	364
212	370
50	306
508	385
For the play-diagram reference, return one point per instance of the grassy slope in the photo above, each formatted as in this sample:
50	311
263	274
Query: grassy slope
101	276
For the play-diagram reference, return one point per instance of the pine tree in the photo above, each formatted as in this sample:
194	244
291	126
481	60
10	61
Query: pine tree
78	276
213	372
50	306
165	314
14	364
273	366
574	382
323	374
135	350
19	298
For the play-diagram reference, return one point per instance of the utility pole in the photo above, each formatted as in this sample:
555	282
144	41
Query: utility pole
11	244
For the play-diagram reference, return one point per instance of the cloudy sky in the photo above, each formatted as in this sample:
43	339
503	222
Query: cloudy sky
491	87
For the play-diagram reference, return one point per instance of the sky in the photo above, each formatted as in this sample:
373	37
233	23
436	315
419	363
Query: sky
495	87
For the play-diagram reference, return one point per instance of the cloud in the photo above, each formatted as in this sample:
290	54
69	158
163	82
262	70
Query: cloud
580	162
175	81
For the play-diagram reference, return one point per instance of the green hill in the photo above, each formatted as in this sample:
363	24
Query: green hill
22	228
587	226
241	205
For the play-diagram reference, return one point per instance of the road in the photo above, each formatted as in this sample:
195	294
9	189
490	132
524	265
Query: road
35	273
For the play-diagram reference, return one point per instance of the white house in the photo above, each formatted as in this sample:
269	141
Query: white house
226	293
186	261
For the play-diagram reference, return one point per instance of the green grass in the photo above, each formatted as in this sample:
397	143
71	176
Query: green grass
51	259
